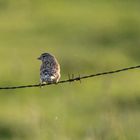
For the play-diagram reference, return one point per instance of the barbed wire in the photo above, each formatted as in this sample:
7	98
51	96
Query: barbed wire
72	79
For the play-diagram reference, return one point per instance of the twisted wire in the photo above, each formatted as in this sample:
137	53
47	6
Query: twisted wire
78	78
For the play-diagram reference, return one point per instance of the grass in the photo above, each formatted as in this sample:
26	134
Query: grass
86	37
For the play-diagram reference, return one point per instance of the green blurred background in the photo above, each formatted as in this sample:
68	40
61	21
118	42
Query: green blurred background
86	36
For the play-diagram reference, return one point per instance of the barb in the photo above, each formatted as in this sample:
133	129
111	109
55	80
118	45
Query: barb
79	78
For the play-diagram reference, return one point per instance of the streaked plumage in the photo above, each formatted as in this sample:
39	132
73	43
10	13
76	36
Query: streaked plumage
50	69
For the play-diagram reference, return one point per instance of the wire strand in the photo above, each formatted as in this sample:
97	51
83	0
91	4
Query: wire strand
79	78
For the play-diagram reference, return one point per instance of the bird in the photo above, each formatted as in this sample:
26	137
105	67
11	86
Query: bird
49	69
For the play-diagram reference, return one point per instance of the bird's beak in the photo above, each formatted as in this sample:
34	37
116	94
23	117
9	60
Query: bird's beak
39	58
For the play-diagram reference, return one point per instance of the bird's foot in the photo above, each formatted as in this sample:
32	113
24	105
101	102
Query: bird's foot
40	85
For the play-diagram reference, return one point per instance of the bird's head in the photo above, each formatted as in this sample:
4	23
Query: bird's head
44	57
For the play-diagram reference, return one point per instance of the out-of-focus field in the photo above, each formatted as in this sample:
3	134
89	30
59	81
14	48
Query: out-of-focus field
87	37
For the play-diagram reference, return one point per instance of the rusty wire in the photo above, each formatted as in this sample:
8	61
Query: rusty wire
72	79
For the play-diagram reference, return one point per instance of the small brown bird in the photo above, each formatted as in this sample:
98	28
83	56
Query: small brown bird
50	69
